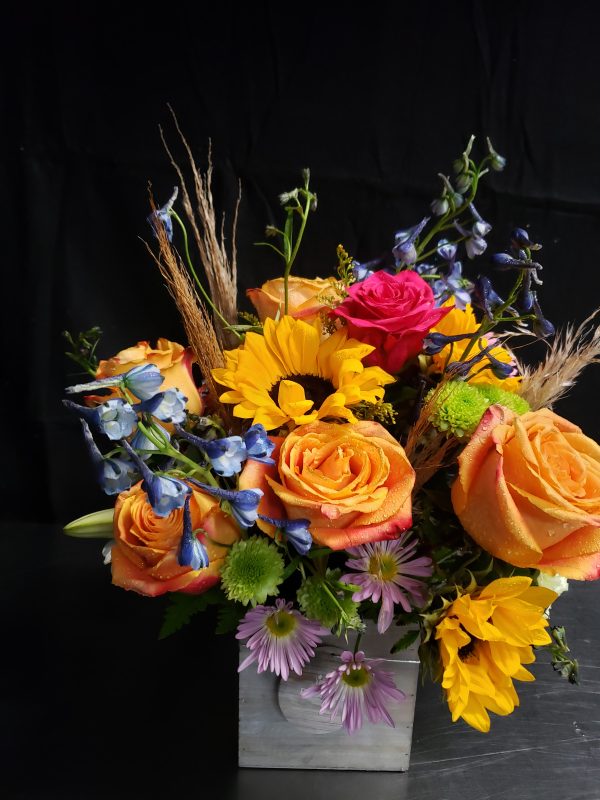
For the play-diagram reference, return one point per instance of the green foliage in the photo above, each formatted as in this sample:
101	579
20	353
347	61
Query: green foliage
567	667
182	607
405	641
324	598
83	348
431	665
229	617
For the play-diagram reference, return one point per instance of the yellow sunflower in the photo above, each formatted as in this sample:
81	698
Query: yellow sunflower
484	640
291	374
457	321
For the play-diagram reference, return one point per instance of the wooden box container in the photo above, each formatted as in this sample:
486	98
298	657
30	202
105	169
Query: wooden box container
278	729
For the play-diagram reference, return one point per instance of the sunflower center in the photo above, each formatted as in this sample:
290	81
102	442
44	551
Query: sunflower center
315	388
356	678
281	624
467	651
383	566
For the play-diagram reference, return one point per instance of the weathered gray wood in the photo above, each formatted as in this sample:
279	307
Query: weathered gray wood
279	729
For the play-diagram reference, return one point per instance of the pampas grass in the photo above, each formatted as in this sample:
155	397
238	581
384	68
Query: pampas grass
569	353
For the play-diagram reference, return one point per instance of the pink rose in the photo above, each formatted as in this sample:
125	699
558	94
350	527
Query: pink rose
393	313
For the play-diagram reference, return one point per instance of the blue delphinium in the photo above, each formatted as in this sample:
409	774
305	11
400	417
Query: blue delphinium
168	406
165	494
475	243
542	327
115	475
452	284
295	531
115	418
405	251
163	215
192	552
143	381
435	342
243	503
526	302
146	446
485	297
258	445
226	455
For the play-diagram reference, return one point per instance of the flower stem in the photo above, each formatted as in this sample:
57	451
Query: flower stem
288	266
357	642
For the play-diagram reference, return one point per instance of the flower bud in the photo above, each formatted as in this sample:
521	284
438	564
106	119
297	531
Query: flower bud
542	327
497	162
475	246
439	207
485	297
446	250
463	182
520	238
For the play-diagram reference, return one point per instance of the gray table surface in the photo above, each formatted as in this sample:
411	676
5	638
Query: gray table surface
95	707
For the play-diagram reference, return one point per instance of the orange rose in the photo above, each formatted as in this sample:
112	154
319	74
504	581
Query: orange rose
305	297
173	360
528	491
144	556
353	482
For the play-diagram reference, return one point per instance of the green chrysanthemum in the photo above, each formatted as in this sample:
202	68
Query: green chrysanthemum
253	571
320	601
458	408
459	405
494	394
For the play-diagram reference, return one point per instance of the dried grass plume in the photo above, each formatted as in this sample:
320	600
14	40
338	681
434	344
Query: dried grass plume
427	449
219	265
570	352
196	319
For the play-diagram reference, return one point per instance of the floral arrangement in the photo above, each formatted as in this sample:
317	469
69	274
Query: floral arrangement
367	447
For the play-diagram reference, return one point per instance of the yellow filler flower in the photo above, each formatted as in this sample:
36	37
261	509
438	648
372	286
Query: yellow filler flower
291	374
484	639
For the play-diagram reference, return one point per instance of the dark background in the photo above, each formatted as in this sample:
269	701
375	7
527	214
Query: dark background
376	102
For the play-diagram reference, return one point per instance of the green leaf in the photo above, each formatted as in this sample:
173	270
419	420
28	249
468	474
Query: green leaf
181	609
322	551
291	567
567	667
228	617
98	525
406	641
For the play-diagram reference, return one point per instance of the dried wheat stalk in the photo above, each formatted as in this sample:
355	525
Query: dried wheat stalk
219	266
570	352
427	449
196	319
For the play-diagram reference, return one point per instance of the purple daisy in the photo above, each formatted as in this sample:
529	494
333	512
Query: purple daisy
279	638
356	688
386	567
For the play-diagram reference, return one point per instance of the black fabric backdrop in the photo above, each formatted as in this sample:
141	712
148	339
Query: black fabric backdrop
376	101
